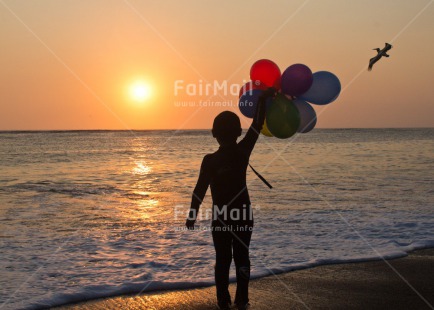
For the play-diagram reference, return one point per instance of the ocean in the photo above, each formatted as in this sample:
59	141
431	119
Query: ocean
89	214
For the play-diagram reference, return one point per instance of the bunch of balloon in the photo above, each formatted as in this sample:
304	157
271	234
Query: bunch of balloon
289	112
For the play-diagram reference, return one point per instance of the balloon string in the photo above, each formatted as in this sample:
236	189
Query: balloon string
261	177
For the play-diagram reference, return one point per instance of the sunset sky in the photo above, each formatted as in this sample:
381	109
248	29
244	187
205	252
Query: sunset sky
70	64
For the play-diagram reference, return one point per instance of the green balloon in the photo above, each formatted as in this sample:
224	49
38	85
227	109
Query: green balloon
283	118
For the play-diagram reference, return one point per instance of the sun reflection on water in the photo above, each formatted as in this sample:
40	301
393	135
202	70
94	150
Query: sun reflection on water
141	168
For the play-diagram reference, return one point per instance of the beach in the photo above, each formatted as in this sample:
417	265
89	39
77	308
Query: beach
95	214
401	283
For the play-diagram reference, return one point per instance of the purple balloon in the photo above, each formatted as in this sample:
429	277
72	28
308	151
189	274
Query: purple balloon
296	80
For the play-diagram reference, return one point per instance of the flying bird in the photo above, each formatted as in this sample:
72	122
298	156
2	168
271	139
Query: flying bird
380	54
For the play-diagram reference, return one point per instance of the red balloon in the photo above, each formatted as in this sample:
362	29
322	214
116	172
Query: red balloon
252	85
267	72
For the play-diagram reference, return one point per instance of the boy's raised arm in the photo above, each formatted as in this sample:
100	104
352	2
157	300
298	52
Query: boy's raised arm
258	120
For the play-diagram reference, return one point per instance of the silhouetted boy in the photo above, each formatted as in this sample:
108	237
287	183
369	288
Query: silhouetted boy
232	222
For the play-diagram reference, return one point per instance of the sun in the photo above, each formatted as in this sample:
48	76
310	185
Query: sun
140	91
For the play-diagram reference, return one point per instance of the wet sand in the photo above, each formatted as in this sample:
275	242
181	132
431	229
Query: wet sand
402	283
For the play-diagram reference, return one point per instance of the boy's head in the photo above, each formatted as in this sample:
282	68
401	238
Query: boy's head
226	127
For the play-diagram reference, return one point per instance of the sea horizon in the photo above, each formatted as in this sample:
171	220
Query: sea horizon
201	129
